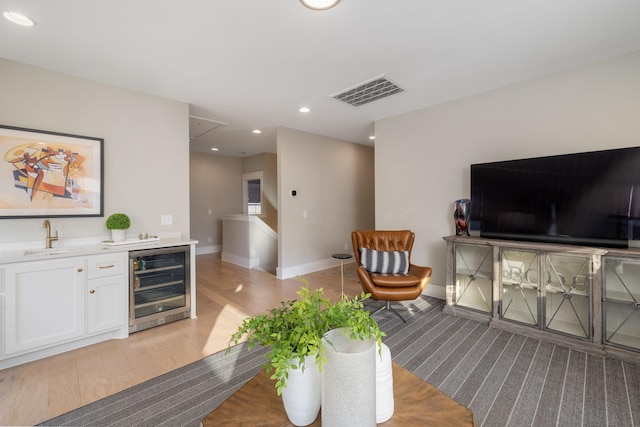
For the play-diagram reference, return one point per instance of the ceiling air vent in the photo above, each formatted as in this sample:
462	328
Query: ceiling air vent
369	91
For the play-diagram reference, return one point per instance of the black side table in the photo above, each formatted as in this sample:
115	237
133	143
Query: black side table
342	257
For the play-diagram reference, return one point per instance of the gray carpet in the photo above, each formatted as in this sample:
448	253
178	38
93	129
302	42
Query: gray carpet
506	379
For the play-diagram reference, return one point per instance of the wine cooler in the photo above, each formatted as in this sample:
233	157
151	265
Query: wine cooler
159	285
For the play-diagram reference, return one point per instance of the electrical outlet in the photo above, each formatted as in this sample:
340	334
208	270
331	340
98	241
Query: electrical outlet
346	246
166	219
210	239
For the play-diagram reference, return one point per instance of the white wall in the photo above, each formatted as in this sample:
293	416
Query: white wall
216	185
146	148
334	182
423	158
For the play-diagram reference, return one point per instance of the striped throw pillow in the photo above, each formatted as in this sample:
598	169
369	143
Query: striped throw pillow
392	262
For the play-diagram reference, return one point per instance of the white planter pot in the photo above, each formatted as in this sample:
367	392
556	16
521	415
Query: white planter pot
348	381
303	394
118	235
384	386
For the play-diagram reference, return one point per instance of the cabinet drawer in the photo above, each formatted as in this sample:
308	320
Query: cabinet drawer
107	265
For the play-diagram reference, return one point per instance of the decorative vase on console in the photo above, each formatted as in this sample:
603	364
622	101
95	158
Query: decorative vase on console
462	216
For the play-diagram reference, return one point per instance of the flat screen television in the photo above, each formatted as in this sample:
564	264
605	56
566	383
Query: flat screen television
590	199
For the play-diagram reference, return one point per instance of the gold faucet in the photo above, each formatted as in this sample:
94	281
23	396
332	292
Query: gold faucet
49	238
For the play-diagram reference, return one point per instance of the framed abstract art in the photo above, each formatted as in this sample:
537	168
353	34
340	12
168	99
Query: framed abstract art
50	174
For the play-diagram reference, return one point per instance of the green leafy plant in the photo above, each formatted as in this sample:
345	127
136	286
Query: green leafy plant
118	221
295	329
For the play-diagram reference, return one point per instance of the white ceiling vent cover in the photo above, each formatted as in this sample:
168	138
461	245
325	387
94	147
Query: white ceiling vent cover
369	91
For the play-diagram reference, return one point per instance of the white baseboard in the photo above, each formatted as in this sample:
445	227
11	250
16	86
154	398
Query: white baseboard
435	291
301	270
241	261
202	250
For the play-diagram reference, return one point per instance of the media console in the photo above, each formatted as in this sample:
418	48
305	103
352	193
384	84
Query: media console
583	297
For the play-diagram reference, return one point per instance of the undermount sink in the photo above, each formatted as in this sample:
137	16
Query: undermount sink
49	251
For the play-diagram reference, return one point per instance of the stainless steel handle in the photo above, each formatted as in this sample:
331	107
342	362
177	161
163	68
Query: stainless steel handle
107	266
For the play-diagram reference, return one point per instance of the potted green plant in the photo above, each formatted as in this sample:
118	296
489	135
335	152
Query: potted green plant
118	223
293	335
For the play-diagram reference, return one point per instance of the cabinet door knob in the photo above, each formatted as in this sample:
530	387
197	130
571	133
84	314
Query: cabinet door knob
79	269
107	266
92	291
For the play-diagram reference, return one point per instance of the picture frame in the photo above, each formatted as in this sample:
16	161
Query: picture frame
47	174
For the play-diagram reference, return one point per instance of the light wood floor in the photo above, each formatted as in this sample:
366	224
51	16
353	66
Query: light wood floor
37	391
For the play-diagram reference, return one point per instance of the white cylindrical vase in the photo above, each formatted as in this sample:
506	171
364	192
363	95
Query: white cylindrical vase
384	385
302	395
348	381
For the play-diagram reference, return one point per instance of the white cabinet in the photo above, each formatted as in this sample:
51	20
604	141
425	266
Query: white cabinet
50	304
54	305
44	303
106	292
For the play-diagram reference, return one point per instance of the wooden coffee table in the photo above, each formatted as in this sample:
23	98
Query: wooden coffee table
416	403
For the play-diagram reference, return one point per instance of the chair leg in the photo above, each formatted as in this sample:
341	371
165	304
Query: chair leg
387	306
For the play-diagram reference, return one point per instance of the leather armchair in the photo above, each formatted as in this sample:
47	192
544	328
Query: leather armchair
389	287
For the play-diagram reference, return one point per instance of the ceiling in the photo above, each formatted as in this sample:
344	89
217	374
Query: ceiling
251	64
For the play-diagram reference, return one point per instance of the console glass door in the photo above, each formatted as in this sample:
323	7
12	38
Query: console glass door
519	286
474	277
621	305
567	288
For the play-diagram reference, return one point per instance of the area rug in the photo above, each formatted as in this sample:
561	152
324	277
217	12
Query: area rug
506	379
182	397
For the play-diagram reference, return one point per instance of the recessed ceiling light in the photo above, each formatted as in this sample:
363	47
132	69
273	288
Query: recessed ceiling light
319	4
256	131
214	149
304	110
20	19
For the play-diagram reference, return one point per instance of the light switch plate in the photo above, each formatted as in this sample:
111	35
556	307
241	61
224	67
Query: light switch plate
166	219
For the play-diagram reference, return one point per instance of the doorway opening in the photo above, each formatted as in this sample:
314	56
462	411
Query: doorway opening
252	193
